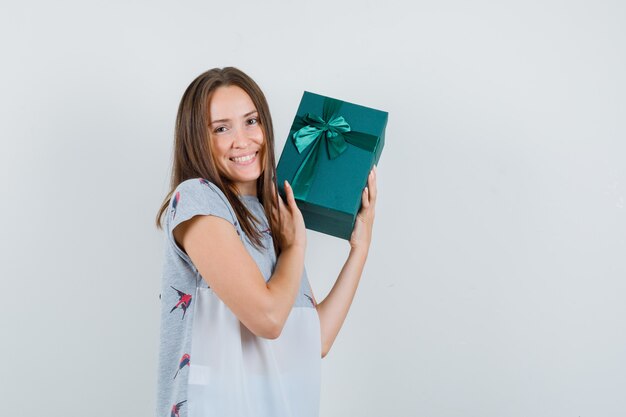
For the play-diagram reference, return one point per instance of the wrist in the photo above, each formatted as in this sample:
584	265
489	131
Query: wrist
295	247
359	251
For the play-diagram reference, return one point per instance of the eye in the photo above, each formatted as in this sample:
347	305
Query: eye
253	121
220	131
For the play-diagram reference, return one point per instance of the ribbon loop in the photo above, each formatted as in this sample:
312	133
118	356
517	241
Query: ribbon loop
305	137
315	127
337	133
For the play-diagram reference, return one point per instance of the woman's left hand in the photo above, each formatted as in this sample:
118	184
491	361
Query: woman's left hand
362	232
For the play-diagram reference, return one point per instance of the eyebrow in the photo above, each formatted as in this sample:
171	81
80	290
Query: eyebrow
226	120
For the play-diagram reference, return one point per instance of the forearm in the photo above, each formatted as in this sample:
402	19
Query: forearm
334	308
284	284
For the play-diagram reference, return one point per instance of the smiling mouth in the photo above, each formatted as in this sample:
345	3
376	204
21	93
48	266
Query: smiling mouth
244	159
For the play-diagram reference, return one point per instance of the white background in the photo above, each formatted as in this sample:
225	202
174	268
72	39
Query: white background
496	281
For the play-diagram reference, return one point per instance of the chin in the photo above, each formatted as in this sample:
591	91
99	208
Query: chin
247	178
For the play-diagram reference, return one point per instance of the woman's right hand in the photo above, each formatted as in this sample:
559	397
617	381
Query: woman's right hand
292	229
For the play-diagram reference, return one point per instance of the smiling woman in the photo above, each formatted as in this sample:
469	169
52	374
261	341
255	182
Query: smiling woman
241	332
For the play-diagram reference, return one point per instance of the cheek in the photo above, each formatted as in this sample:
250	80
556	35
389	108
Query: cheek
258	135
219	149
262	152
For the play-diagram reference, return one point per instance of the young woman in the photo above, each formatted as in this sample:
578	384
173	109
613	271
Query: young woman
241	332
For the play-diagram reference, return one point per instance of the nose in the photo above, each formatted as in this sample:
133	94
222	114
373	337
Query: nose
240	140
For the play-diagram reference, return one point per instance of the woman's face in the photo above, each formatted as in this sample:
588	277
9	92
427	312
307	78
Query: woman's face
236	137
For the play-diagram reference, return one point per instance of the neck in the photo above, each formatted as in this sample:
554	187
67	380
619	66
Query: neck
246	189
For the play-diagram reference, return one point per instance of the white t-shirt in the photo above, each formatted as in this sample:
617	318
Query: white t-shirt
210	364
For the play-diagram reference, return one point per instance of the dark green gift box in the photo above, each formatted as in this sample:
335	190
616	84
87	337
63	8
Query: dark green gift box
331	148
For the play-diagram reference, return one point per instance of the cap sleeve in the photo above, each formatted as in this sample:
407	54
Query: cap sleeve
195	197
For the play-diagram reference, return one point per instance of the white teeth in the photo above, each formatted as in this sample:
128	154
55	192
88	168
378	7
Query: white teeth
243	158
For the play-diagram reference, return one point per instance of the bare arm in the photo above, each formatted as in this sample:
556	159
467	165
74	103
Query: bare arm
222	260
334	308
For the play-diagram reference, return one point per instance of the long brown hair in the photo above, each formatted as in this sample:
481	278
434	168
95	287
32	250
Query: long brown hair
193	156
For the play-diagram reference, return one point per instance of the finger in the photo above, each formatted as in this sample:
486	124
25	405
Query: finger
280	208
371	184
281	201
365	201
291	200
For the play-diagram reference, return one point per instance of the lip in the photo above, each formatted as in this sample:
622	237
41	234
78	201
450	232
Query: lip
255	153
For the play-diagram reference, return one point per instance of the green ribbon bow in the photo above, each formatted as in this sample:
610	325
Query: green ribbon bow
311	130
